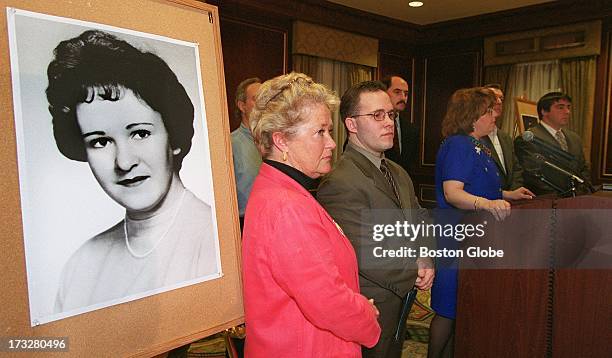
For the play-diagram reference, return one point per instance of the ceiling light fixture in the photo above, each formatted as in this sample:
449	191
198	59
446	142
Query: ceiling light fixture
415	3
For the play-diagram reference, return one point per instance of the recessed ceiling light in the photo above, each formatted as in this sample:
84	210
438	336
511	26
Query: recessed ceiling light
415	3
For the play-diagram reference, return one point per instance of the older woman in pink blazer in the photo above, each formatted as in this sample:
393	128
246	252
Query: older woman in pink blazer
301	287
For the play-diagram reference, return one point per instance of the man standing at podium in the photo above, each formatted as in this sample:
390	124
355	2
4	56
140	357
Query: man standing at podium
554	111
502	148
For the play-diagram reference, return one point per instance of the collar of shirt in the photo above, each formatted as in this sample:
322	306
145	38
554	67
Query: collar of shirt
551	130
304	180
371	157
245	130
493	133
498	148
399	132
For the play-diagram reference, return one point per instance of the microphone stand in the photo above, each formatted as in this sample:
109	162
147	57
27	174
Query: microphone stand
572	189
571	176
552	185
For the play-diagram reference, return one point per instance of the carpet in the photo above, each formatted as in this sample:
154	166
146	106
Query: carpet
417	326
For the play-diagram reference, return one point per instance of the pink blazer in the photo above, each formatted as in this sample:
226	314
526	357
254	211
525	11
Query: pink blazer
301	286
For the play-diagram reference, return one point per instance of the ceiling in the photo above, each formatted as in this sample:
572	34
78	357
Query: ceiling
434	11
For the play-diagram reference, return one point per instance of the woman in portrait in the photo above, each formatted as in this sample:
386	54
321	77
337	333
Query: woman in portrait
300	275
467	179
124	112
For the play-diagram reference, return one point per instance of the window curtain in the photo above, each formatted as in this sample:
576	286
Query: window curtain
498	74
529	81
574	76
338	76
578	81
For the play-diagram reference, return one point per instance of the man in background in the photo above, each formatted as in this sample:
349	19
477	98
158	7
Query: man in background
366	190
554	111
502	148
247	159
405	143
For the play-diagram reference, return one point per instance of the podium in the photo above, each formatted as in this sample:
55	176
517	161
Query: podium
557	301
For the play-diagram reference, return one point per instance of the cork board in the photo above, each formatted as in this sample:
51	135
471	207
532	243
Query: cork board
156	323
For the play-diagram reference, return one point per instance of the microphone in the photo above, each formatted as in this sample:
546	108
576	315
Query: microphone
549	149
559	169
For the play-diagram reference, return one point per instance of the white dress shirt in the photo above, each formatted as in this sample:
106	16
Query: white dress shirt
500	153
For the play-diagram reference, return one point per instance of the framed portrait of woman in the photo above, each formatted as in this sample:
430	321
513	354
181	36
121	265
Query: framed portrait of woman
115	137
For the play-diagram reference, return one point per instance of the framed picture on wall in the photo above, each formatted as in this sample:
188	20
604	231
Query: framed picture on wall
526	114
528	121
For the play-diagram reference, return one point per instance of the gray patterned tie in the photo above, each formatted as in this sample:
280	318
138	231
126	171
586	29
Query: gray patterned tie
385	170
561	139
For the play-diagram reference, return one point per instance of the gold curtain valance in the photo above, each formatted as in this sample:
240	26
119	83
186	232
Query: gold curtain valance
321	41
569	41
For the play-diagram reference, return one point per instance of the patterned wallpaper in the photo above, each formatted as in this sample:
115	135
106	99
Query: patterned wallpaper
320	41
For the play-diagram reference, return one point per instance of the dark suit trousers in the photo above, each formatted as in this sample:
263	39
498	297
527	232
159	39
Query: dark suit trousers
389	306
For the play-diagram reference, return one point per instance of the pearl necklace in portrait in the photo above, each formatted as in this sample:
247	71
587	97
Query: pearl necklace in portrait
161	238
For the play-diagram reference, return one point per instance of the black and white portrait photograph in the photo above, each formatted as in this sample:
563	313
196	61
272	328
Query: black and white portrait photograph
114	165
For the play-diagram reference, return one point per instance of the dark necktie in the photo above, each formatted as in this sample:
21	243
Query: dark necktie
487	141
494	153
387	173
396	145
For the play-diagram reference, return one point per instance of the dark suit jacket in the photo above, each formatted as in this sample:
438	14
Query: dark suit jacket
533	167
512	177
354	185
409	141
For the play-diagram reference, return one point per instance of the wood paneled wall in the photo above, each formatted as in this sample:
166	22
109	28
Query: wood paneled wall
255	43
555	13
549	14
322	13
601	151
435	59
256	35
441	70
262	52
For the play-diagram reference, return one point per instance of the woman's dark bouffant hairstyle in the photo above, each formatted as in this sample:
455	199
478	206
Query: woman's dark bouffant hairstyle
464	108
99	64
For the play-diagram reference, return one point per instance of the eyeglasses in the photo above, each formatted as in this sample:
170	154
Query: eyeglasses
379	115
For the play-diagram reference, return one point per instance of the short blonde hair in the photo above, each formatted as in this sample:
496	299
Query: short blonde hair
281	104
